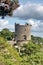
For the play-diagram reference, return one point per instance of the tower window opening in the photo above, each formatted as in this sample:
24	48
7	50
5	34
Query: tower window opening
25	38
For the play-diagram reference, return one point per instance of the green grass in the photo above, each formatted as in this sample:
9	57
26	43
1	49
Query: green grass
10	56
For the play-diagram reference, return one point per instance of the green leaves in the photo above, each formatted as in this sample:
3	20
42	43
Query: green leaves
7	34
8	54
32	54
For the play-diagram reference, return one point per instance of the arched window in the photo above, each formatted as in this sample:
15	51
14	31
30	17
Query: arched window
25	38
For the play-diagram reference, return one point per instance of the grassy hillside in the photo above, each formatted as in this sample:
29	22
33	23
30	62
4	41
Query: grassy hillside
30	54
8	54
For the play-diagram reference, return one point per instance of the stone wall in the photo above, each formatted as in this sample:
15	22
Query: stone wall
22	33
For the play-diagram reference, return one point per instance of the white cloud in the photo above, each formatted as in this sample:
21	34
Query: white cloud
33	23
3	22
6	24
36	24
37	27
28	11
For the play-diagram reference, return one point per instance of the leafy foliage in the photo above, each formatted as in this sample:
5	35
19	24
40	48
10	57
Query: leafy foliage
30	54
9	7
6	33
36	39
8	54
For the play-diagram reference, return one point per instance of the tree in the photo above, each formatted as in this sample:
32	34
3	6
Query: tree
7	7
6	33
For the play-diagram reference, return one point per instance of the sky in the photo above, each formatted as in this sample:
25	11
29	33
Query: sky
30	11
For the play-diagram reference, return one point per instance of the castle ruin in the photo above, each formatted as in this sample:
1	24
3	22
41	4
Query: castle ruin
22	33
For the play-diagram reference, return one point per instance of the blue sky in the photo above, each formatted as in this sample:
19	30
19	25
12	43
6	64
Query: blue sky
33	1
30	11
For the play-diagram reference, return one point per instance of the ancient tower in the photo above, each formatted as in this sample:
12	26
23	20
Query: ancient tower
22	33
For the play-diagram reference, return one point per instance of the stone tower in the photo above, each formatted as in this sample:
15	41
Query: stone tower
22	33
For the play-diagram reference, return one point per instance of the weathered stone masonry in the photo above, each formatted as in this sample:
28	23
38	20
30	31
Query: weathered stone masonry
22	33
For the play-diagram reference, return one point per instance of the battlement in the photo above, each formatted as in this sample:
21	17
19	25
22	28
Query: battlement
17	24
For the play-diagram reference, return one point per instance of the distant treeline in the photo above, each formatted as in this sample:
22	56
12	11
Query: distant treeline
6	33
36	39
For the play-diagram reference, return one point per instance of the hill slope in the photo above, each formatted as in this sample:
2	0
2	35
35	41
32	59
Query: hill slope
32	54
8	54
